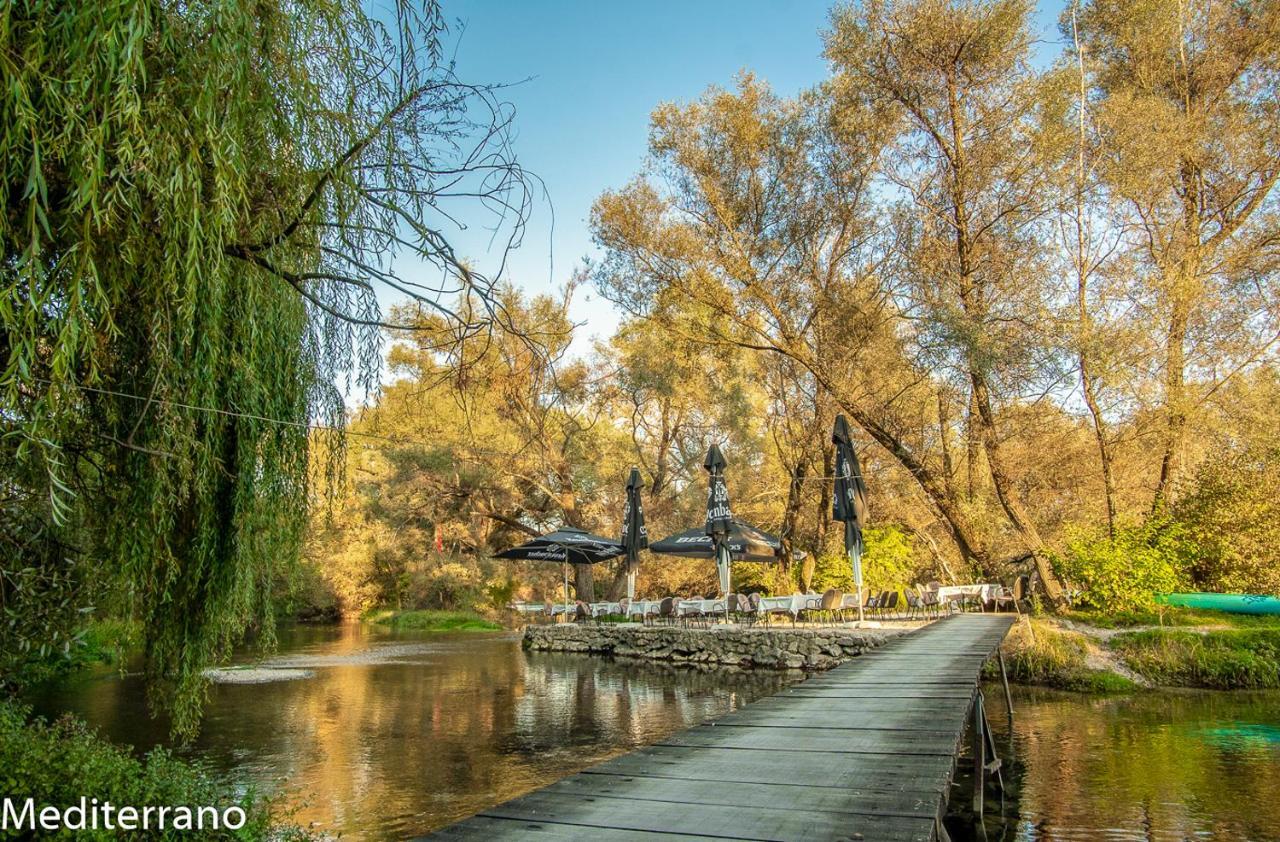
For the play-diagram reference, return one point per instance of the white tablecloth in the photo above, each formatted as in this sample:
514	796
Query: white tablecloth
701	606
602	609
791	604
975	593
644	608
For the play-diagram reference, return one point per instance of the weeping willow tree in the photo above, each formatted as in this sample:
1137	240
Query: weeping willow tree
201	203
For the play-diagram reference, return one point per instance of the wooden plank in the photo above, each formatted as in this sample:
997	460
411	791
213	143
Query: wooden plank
823	719
815	740
860	772
484	828
715	820
739	794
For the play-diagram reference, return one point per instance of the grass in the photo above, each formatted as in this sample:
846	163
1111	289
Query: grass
1044	654
430	620
1172	616
1229	659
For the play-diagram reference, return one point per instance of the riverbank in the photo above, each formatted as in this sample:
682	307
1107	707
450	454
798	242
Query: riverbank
1126	652
430	620
786	648
59	763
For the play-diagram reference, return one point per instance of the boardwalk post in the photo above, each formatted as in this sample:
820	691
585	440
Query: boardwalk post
1008	697
979	755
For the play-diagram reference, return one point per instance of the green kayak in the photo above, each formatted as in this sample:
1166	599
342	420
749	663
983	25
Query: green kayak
1232	603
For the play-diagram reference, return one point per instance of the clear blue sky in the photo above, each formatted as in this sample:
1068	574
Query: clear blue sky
595	71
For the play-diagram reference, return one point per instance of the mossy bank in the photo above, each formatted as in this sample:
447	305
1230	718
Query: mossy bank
428	620
1125	652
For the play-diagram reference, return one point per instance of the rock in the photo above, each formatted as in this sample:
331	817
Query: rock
784	648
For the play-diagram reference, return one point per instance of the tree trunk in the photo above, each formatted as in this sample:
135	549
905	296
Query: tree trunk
791	513
1175	404
1009	500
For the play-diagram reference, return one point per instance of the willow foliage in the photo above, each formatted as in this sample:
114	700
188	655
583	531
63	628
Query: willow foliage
199	203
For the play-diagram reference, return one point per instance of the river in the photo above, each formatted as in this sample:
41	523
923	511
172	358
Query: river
394	734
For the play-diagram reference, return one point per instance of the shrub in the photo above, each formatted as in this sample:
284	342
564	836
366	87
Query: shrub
1232	512
887	563
1125	572
56	764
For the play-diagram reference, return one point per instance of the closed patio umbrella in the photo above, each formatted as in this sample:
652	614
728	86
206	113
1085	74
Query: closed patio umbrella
719	514
634	535
849	500
568	546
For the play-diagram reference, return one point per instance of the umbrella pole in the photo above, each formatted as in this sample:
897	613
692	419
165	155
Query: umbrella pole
565	568
855	558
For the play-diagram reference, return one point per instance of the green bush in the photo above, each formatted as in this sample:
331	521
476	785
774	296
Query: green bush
1125	572
56	764
887	563
1232	510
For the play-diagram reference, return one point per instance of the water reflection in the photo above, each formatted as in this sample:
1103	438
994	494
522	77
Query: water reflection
399	734
1152	766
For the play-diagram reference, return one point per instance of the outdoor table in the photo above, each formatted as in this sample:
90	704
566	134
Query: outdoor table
643	608
792	604
602	609
981	593
702	606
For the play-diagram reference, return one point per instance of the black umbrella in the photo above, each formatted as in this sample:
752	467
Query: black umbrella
719	514
567	545
743	543
634	535
849	501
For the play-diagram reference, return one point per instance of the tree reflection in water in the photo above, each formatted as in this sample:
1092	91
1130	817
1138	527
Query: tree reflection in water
399	733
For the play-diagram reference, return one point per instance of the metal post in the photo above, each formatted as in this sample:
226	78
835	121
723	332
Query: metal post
979	756
1008	697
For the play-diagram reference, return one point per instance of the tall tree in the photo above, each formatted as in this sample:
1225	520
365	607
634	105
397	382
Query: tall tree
1188	96
957	73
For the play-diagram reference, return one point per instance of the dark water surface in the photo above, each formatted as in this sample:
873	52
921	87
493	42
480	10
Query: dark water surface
1168	765
399	733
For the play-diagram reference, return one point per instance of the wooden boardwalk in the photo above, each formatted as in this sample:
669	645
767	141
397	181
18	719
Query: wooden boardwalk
864	751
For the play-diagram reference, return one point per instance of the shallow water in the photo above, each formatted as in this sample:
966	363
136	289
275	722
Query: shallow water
1170	765
397	734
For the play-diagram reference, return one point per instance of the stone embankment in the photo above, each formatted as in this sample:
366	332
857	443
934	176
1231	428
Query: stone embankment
807	649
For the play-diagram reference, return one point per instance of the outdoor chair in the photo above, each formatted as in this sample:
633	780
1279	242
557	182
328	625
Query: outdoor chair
872	604
914	604
688	614
752	608
581	612
849	602
929	604
669	609
891	601
831	602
